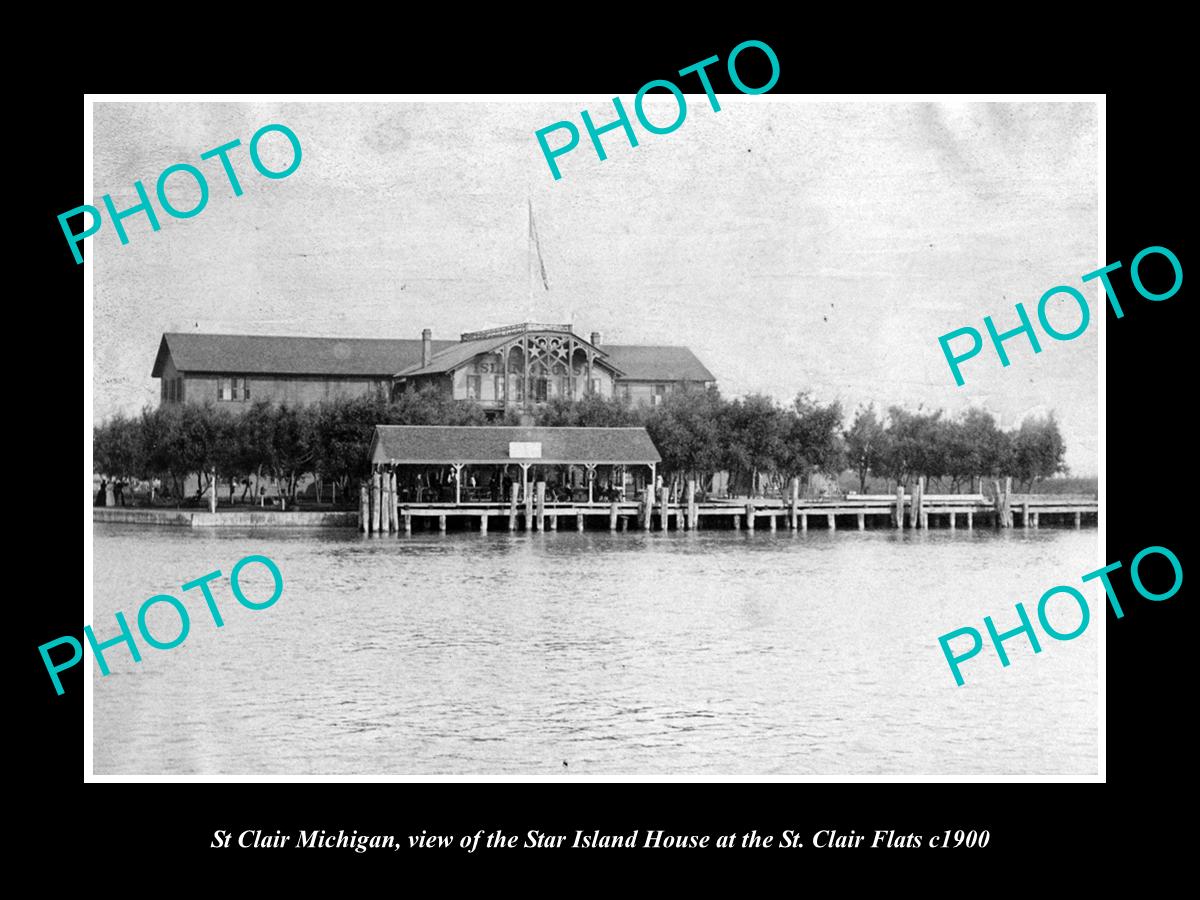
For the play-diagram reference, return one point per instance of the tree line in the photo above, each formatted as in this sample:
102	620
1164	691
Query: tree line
760	443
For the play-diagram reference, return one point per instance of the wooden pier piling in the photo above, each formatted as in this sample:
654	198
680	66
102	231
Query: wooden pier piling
689	522
918	505
379	503
795	485
527	487
898	517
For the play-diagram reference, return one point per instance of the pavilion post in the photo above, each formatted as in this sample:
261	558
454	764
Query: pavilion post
376	498
385	508
527	495
591	480
395	502
458	467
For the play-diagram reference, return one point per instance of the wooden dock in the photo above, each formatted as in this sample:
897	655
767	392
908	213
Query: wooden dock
529	510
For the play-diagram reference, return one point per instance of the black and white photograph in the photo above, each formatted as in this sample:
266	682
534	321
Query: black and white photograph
425	443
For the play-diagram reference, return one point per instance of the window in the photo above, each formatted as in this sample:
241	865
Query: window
473	386
498	387
626	393
660	394
596	387
538	386
518	388
179	389
233	389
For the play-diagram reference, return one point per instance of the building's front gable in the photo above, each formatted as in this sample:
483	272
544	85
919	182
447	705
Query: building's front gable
518	365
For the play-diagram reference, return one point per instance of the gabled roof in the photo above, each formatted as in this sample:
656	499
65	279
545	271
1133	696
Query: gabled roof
656	363
275	355
250	354
490	445
452	357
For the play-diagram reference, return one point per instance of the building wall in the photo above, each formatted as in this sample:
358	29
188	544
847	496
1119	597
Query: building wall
281	389
172	387
491	392
643	393
442	384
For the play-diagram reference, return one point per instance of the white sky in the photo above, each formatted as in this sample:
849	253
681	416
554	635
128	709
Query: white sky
791	245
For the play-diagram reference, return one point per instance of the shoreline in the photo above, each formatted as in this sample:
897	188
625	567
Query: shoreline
196	518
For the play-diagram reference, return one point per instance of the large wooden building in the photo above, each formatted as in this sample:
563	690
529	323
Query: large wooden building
517	367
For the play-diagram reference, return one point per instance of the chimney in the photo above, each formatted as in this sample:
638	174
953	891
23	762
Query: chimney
426	347
596	339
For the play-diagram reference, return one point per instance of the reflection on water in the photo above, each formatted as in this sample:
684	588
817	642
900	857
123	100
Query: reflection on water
651	654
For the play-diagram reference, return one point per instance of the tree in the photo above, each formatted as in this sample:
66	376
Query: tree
117	448
866	445
591	411
685	429
977	447
428	406
1037	451
342	431
292	444
915	445
812	439
754	430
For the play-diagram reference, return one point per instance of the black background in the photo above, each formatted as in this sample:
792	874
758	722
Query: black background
1149	406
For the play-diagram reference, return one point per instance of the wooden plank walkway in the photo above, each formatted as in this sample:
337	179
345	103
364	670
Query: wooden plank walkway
533	512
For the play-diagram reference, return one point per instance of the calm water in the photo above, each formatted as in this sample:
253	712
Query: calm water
709	653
